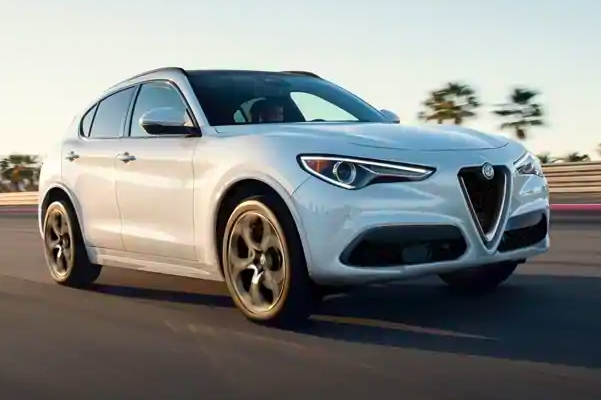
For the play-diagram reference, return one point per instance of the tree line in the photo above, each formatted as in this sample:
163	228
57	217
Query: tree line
457	102
19	172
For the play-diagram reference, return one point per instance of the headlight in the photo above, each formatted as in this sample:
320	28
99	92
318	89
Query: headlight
528	164
354	173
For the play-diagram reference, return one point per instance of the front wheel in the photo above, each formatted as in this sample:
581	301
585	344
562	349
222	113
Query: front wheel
481	279
264	264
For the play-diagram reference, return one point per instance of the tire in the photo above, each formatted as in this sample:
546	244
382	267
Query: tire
479	280
293	296
75	269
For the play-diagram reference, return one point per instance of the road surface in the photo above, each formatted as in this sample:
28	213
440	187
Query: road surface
145	336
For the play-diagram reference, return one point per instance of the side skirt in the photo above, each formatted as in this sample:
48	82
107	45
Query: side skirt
149	263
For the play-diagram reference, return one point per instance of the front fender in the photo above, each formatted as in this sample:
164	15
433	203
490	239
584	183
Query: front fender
206	212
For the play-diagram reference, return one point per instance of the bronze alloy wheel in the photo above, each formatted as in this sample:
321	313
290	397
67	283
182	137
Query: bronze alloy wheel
58	241
64	247
256	262
264	264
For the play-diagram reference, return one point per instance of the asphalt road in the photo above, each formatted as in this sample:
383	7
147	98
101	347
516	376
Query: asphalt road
145	336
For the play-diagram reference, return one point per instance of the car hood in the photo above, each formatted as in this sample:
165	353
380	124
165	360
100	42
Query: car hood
379	135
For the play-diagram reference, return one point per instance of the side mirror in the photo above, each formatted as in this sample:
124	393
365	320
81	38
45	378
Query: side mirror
167	121
391	116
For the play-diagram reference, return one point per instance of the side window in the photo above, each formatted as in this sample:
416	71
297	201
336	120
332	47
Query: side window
156	95
111	114
313	107
86	121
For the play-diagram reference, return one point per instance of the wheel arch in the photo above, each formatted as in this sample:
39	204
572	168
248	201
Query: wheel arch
251	185
55	192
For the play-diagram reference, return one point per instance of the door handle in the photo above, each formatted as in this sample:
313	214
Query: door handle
126	157
72	156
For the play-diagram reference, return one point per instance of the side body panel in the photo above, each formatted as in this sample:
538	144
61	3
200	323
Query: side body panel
155	197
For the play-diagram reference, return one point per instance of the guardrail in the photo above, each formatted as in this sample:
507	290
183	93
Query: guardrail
564	178
19	199
574	178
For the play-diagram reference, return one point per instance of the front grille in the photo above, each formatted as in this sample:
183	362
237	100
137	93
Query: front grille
485	197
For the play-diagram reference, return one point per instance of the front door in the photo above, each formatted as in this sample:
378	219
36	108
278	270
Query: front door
155	180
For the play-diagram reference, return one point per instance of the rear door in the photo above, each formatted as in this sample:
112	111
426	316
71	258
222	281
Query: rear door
155	181
88	167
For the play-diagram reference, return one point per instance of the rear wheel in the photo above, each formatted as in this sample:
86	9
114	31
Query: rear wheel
481	279
264	264
65	251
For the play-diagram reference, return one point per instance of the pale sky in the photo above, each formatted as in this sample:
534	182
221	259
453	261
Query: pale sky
56	55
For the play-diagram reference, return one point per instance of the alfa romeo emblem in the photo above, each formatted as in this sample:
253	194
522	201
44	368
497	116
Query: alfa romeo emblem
488	171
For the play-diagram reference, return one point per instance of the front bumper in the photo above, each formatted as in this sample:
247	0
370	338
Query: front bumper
334	221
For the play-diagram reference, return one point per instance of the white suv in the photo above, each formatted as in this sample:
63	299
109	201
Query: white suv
282	184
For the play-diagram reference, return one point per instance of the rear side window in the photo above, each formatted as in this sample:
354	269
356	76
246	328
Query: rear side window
111	114
86	121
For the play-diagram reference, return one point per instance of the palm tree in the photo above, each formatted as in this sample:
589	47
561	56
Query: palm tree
4	165
18	167
576	157
520	112
545	158
455	102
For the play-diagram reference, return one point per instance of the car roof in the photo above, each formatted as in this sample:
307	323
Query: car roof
193	72
248	71
170	71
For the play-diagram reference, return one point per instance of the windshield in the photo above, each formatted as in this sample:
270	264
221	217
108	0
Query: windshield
249	97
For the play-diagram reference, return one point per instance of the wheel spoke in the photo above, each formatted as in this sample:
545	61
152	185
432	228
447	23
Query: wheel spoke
51	243
238	264
269	238
67	252
61	266
56	224
273	280
256	297
244	229
64	227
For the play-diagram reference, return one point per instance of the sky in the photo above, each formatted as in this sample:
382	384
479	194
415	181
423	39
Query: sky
57	55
